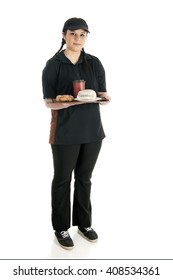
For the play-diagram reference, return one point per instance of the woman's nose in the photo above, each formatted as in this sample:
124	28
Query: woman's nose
76	36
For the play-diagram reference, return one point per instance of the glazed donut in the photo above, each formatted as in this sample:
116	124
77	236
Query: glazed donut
64	98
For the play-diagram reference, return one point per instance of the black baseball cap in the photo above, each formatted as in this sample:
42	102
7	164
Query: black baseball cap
75	23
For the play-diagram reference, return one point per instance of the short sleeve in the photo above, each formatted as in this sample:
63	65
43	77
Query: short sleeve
49	80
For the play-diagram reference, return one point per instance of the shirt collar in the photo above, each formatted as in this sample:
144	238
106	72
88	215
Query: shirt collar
61	57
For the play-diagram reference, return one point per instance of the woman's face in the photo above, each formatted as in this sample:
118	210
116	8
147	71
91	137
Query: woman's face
75	39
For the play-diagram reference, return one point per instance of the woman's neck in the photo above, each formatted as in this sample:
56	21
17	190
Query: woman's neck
72	56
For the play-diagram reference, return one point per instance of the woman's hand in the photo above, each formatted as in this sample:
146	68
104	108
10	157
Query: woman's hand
105	98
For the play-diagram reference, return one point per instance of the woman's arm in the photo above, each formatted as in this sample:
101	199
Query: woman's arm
105	96
54	105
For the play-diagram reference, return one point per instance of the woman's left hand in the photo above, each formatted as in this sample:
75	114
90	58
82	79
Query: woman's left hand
105	98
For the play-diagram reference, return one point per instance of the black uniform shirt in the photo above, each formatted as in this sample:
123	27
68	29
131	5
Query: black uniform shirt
81	123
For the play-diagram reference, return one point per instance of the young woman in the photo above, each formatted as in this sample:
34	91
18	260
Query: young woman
76	131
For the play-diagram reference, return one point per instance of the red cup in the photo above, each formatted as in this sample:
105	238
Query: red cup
77	86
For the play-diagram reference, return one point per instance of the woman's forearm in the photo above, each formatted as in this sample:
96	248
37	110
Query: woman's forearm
55	105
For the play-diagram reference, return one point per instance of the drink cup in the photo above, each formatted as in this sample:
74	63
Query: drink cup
77	86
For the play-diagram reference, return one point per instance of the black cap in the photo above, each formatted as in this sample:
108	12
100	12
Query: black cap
74	24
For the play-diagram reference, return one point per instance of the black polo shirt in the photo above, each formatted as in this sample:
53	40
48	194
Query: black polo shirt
76	124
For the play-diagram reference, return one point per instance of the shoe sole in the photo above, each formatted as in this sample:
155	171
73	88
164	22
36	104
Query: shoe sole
66	248
90	240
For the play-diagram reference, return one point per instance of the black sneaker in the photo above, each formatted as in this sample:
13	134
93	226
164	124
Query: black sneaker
89	234
64	239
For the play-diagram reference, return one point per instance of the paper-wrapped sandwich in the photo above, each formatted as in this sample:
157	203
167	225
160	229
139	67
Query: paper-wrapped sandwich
86	94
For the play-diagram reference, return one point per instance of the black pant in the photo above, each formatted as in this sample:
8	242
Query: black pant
66	158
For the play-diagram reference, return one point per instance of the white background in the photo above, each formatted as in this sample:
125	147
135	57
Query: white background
132	182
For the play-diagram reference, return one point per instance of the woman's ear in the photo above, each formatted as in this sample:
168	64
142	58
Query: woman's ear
63	36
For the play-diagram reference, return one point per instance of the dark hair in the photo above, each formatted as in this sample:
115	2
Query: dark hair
62	44
86	66
72	24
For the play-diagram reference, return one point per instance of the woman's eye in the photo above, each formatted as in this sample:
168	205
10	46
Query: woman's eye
78	35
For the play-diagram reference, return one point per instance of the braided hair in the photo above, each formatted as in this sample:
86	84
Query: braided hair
86	66
62	44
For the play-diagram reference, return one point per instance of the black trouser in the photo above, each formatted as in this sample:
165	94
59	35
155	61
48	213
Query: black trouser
66	158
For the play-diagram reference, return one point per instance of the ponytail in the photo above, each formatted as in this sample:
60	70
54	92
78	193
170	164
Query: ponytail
62	44
85	62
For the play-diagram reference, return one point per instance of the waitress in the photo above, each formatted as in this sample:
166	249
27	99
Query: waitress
76	131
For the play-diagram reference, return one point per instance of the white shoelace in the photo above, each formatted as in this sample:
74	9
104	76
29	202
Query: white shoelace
88	229
64	234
